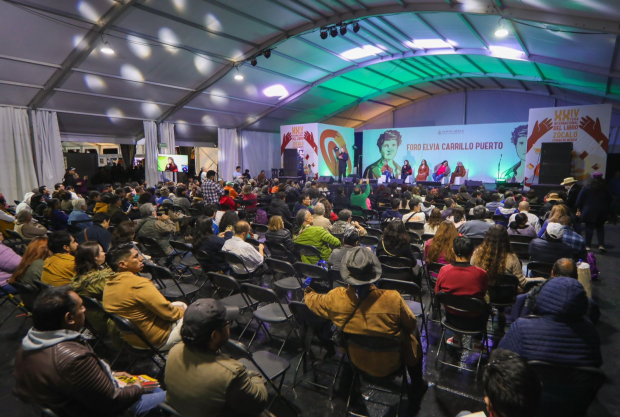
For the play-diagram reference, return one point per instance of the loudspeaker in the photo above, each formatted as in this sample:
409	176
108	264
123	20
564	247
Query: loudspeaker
398	181
349	180
473	184
328	179
275	172
555	159
429	183
289	161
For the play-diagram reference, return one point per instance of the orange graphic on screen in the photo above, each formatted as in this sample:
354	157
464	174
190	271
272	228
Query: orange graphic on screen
330	139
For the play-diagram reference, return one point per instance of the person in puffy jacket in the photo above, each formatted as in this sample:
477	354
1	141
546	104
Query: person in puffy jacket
279	208
278	234
9	261
559	332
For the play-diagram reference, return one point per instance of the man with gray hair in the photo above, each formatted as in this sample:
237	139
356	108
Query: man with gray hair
78	215
156	227
532	219
477	227
319	217
25	227
345	223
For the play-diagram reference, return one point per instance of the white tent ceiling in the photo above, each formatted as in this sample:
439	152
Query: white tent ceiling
176	60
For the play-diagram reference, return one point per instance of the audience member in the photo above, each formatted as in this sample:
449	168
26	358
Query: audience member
462	279
572	238
341	200
103	204
58	219
115	211
138	300
252	258
156	227
231	190
65	200
457	217
59	268
351	240
552	199
211	190
319	219
494	204
477	227
30	267
449	204
307	234
415	215
434	220
78	214
9	261
278	207
439	248
592	209
558	333
227	224
532	219
278	234
201	380
56	368
180	199
395	242
93	199
359	198
551	248
26	228
303	204
507	210
360	269
204	239
428	207
554	215
346	223
520	226
98	232
392	213
123	233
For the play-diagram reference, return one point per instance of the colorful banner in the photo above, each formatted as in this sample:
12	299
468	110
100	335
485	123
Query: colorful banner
587	127
316	144
480	149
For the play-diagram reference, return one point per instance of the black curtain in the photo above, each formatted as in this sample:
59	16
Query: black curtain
128	152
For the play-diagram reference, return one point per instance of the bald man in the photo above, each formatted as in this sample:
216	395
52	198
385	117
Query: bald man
532	219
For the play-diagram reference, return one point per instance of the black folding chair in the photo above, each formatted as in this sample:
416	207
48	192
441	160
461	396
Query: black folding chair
320	280
270	366
522	250
538	269
373	345
474	323
306	250
426	237
521	238
369	241
284	275
27	293
374	232
228	291
568	391
335	278
395	261
273	311
238	268
94	306
414	237
415	303
157	254
400	273
168	285
126	327
372	217
477	241
186	257
415	227
41	285
432	272
15	241
307	322
259	229
6	297
503	293
278	251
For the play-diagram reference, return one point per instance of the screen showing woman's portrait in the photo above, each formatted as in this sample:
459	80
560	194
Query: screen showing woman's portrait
388	144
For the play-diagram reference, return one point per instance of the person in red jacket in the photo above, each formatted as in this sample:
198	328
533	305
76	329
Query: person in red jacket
461	278
225	200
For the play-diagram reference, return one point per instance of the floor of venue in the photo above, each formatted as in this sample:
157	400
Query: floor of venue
450	390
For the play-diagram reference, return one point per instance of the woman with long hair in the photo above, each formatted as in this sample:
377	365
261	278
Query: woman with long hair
521	227
31	266
329	211
433	222
227	223
406	170
144	198
205	240
439	249
395	241
57	218
593	207
123	233
172	166
556	212
457	216
423	171
277	233
496	256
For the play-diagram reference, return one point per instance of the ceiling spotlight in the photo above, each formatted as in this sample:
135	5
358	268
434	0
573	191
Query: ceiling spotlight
356	27
107	49
323	34
253	62
501	32
267	53
343	30
333	31
238	75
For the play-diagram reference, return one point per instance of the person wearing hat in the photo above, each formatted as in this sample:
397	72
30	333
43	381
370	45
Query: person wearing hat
361	308
231	190
203	381
552	199
70	177
592	209
572	192
552	247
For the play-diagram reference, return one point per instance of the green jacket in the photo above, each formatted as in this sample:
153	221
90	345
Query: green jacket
320	239
359	200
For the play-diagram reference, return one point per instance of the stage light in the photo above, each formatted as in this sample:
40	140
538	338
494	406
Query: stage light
277	90
323	34
363	52
343	30
333	31
356	27
107	49
428	44
239	77
267	53
253	62
501	33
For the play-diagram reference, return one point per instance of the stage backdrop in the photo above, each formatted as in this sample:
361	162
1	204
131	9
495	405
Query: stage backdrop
479	147
316	143
586	126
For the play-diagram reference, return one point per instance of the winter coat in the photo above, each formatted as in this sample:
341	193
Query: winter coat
320	239
594	205
9	261
559	333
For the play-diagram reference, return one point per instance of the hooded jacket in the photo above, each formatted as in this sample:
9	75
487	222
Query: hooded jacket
58	370
9	261
558	333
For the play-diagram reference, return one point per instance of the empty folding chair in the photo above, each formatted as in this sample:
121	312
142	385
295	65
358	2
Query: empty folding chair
270	366
306	250
168	285
395	261
402	274
272	311
284	275
374	232
168	411
259	229
369	241
335	278
228	291
538	269
186	257
503	293
320	280
278	251
12	300
27	293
